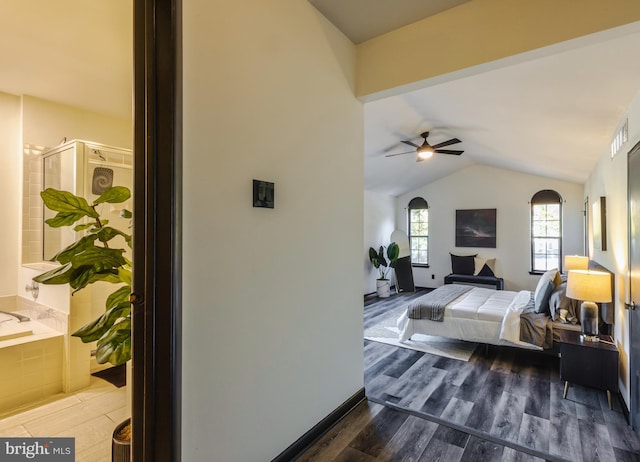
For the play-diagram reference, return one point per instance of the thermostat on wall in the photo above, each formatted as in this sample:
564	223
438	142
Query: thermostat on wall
263	194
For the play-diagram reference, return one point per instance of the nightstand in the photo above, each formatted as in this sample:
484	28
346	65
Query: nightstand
592	364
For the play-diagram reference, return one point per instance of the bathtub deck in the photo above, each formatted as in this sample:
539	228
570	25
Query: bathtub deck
89	415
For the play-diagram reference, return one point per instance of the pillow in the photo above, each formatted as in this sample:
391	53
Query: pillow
550	275
558	301
484	266
462	264
541	299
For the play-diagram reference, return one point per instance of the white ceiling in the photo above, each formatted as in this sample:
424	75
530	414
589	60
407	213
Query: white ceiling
553	115
76	52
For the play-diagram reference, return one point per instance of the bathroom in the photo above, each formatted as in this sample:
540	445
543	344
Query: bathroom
38	357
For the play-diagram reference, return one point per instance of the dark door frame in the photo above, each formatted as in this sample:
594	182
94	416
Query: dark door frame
634	313
156	337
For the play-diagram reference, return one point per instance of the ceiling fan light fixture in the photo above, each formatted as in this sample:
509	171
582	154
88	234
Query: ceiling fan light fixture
425	153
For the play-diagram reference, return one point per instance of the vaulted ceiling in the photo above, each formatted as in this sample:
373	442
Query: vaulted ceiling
552	112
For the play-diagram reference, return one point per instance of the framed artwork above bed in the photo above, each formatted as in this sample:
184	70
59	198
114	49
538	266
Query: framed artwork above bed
476	228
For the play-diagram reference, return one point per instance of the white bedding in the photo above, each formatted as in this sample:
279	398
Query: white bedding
480	315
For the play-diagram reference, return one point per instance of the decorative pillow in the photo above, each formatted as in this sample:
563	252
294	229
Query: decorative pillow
541	299
558	301
484	266
462	264
550	275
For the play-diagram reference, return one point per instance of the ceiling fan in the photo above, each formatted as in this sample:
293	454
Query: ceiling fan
426	150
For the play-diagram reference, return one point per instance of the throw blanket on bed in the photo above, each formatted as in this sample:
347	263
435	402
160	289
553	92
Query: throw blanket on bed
431	305
535	328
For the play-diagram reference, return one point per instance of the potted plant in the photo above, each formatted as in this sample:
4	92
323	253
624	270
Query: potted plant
90	259
383	266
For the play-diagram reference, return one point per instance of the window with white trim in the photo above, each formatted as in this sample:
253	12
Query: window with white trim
546	231
419	231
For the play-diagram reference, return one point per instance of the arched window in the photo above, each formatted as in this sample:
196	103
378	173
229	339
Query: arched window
419	231
546	231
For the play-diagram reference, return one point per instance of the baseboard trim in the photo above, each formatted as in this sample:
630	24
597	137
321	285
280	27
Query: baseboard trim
310	437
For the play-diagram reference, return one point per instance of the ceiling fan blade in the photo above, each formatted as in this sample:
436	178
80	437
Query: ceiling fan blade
449	151
447	143
411	144
400	154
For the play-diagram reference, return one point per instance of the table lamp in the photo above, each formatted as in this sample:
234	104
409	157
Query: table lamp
575	262
590	287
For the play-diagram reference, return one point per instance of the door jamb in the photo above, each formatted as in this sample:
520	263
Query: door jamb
156	337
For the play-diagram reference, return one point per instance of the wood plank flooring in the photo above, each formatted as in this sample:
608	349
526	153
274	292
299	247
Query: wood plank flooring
373	432
505	404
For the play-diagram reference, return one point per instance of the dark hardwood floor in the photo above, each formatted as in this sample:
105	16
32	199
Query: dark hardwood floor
505	404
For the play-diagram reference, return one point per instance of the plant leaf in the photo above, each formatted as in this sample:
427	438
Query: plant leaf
115	346
101	257
63	201
64	219
82	244
60	275
97	328
83	226
119	296
106	233
114	195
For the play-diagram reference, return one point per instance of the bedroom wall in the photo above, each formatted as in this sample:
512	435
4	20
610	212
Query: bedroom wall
609	179
272	302
379	223
480	187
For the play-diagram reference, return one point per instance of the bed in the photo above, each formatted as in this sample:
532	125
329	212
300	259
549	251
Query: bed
500	317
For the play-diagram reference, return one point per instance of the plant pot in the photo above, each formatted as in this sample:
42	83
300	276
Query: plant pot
383	288
120	448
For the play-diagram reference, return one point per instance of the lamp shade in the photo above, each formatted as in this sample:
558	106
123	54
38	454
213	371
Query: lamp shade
593	286
575	262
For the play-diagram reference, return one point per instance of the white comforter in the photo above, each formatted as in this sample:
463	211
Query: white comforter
480	315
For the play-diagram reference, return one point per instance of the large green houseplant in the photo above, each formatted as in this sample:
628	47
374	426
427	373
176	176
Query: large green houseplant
377	258
91	259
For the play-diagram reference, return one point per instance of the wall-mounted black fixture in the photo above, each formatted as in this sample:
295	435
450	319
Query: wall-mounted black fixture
263	194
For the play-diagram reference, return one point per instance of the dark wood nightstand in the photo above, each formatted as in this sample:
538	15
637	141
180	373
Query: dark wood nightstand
592	364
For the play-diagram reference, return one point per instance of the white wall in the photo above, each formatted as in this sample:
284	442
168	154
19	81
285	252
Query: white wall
10	191
272	305
609	179
484	187
379	223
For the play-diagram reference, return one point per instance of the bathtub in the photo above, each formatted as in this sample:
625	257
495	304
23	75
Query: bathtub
31	356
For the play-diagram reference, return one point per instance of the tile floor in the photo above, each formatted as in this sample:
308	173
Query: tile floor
90	415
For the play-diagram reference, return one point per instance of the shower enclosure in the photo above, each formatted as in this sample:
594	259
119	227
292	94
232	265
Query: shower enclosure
87	170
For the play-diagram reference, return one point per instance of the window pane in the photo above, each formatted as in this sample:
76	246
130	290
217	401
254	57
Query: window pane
546	226
421	229
539	228
553	228
419	235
